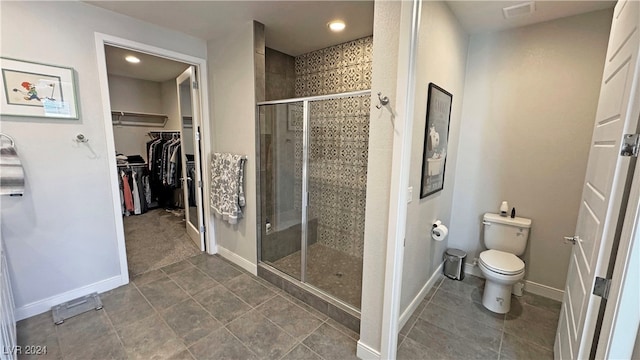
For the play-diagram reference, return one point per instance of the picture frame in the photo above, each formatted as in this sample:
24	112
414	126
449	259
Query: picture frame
30	89
436	134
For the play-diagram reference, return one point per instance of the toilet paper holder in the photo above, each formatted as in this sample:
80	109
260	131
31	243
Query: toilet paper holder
439	231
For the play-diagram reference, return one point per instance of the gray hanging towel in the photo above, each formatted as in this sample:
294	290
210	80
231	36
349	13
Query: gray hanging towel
11	172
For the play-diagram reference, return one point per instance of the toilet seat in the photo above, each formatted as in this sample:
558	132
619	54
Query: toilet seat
501	262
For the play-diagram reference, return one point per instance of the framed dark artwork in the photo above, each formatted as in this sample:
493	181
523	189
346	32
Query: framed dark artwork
37	90
434	157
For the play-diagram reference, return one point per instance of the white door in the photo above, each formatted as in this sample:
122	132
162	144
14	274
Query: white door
603	193
189	112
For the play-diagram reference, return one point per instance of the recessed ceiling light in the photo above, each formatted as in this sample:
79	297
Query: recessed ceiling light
337	25
132	59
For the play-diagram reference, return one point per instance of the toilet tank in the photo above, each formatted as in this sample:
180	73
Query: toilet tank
505	233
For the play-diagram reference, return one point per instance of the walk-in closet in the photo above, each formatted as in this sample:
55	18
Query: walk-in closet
156	146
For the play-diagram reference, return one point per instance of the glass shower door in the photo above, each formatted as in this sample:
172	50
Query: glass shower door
281	175
338	152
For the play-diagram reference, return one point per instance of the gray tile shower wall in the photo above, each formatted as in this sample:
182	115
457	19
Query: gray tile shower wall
339	141
280	75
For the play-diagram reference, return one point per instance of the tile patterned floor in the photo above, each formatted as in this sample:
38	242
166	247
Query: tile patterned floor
206	308
155	239
451	323
200	308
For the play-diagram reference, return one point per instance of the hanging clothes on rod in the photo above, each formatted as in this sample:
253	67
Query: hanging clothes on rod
135	192
165	166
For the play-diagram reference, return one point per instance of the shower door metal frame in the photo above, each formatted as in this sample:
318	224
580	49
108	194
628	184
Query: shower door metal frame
305	179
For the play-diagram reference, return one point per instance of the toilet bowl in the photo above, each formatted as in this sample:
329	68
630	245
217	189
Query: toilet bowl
501	270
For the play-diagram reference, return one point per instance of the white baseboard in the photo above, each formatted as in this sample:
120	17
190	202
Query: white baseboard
406	314
472	269
544	290
44	305
530	286
366	352
238	260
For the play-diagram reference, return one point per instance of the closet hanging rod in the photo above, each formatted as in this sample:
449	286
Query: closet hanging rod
159	133
134	165
138	114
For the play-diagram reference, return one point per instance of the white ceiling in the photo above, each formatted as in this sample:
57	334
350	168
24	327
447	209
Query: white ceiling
292	27
485	16
150	67
298	27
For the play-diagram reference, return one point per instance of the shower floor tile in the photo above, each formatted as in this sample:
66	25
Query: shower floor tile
330	270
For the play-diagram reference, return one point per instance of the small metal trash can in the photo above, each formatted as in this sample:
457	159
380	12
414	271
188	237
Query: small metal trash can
454	260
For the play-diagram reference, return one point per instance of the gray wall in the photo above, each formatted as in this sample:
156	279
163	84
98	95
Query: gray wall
441	59
61	236
232	83
280	75
530	100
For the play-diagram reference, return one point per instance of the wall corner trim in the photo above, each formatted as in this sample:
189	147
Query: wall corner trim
366	352
238	260
44	305
406	314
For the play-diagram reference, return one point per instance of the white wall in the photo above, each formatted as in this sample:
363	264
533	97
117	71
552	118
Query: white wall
169	95
441	59
231	79
386	33
135	95
141	96
530	100
60	237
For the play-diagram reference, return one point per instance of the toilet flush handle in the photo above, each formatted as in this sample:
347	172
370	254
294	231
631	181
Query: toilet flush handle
486	223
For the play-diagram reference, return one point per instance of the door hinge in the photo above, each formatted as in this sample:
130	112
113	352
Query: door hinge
197	136
200	184
630	145
601	287
195	85
202	229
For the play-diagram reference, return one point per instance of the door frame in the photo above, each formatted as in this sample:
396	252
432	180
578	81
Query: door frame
191	74
621	315
101	40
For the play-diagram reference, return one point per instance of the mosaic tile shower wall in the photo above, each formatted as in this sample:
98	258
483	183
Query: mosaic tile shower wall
339	141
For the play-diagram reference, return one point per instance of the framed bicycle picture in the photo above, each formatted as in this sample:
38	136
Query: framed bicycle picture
32	89
436	135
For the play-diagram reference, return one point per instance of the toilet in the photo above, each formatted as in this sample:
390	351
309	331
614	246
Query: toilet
505	238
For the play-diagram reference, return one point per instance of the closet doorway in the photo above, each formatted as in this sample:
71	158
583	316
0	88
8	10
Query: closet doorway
156	121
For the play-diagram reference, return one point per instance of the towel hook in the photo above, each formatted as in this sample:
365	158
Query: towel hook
80	138
383	101
13	143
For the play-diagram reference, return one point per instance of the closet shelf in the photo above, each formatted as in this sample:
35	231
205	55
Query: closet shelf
128	118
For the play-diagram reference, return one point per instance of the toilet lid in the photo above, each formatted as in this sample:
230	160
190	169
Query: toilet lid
502	262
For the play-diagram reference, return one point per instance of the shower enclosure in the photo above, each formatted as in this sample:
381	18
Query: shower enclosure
312	186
